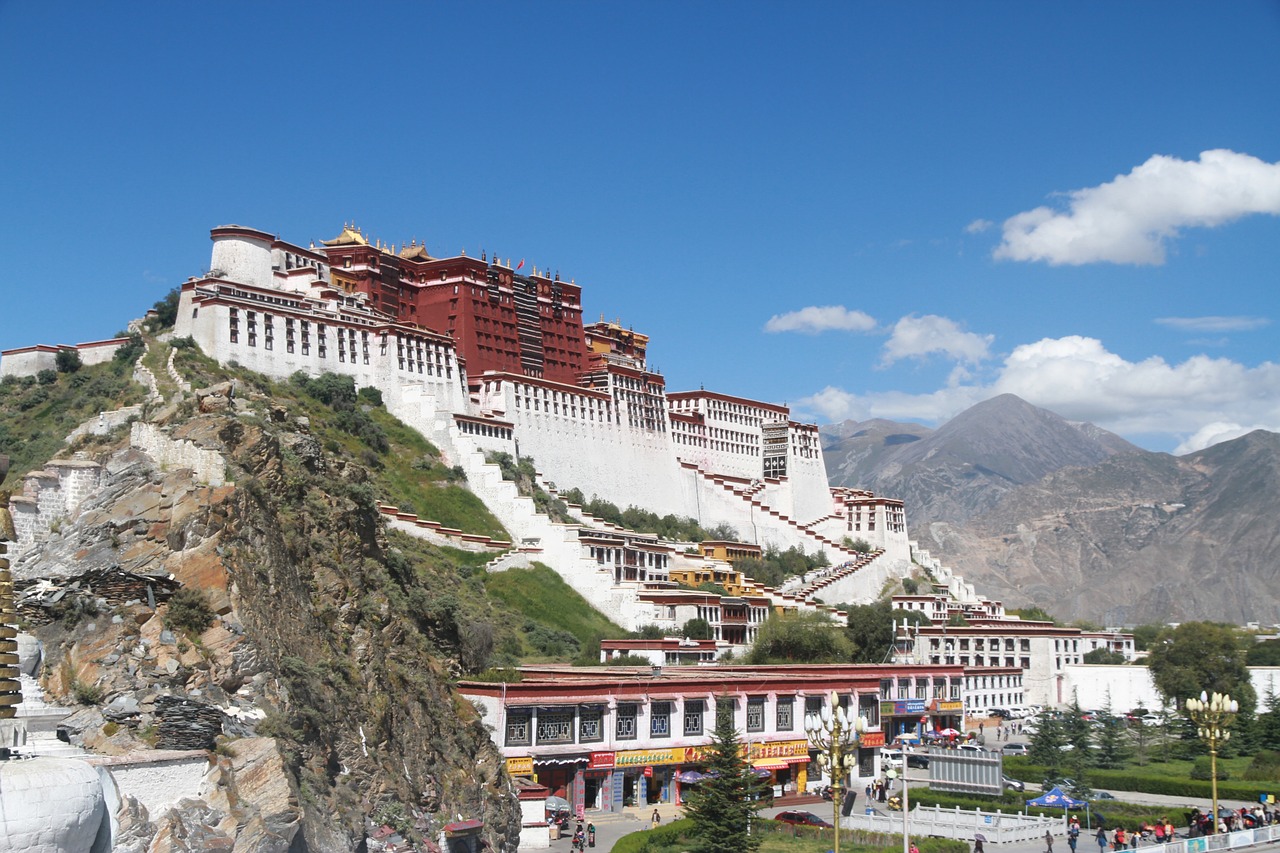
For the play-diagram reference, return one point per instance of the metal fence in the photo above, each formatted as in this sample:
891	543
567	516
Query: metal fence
1011	827
998	827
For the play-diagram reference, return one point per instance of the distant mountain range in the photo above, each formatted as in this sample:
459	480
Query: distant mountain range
1039	510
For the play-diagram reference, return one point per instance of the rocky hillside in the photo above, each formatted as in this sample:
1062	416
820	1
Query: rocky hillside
1036	510
273	621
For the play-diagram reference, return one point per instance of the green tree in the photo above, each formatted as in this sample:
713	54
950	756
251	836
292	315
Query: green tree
1046	746
1269	721
870	629
1103	655
1266	653
697	629
67	361
1033	614
1200	657
723	805
1145	635
800	638
1113	747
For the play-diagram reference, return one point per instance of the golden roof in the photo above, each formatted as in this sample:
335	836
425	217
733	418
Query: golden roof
349	236
415	252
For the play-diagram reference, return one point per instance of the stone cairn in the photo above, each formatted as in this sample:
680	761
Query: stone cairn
184	724
10	686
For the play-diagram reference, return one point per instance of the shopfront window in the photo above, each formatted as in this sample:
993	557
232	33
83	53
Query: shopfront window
625	726
518	728
555	725
786	713
660	719
590	724
693	717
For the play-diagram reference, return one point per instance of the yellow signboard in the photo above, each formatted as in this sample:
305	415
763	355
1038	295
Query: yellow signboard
950	706
649	757
780	749
520	766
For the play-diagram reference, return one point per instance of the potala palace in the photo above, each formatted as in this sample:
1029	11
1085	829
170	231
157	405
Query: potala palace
480	357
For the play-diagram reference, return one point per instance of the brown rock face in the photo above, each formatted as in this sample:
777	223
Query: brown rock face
302	645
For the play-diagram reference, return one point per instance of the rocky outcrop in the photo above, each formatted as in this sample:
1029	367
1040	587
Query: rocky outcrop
308	675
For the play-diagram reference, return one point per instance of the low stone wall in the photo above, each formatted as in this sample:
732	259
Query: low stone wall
207	466
157	779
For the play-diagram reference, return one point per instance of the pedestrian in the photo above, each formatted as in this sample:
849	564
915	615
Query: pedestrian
591	834
1048	841
1101	838
914	848
977	845
980	728
1121	843
1073	836
655	820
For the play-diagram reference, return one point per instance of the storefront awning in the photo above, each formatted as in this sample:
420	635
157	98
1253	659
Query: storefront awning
771	764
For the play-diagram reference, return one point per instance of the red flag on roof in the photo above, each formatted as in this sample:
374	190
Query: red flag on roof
519	264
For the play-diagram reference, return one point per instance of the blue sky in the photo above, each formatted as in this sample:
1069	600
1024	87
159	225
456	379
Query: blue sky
860	209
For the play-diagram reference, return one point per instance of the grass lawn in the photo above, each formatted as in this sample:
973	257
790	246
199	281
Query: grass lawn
783	838
541	595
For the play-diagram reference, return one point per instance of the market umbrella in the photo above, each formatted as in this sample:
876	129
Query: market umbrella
689	776
555	804
978	836
1058	799
948	733
908	737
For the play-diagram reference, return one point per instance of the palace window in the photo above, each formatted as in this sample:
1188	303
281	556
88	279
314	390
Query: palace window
518	727
755	714
692	717
590	724
785	713
625	723
555	725
660	719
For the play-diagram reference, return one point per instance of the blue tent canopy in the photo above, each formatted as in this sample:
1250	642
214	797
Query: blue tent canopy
1057	799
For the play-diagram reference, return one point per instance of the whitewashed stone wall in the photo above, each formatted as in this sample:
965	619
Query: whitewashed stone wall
158	782
105	422
51	494
207	466
242	258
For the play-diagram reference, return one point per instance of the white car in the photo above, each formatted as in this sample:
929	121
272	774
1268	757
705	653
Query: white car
1151	720
891	758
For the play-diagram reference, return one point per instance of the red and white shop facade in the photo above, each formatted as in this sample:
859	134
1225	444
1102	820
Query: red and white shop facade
611	737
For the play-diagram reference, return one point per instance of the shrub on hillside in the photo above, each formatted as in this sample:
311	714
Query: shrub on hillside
67	361
1265	767
189	611
1203	770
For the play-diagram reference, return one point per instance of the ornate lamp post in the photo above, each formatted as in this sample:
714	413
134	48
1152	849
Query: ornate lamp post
1213	716
834	734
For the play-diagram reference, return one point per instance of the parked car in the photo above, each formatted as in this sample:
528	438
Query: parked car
799	818
969	747
891	758
1015	749
1010	782
918	761
1102	795
1068	786
1151	720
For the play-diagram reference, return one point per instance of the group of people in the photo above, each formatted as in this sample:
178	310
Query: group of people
1200	823
1003	730
584	838
878	791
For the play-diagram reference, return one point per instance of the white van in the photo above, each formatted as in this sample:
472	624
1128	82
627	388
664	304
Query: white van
891	758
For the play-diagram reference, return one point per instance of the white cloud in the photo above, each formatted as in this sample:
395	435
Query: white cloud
1211	434
816	319
977	226
1129	220
916	337
1193	403
1214	324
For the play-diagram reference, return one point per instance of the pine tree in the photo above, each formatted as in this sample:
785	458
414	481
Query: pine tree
722	807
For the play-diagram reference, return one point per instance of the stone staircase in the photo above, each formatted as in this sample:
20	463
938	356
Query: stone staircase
803	532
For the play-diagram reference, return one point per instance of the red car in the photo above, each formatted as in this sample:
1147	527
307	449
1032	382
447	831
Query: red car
796	818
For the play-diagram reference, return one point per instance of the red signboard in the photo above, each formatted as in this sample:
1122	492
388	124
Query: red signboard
869	739
648	772
600	760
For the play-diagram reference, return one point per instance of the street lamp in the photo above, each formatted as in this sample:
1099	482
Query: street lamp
1213	716
834	734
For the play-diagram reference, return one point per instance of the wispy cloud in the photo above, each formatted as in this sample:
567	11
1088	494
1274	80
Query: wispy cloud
816	319
977	226
1214	324
1195	403
917	337
1130	219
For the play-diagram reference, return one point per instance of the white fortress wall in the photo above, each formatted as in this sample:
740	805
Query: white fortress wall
810	493
28	361
244	256
207	466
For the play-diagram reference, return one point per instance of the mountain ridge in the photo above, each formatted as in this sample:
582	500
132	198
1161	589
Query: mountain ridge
1079	521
